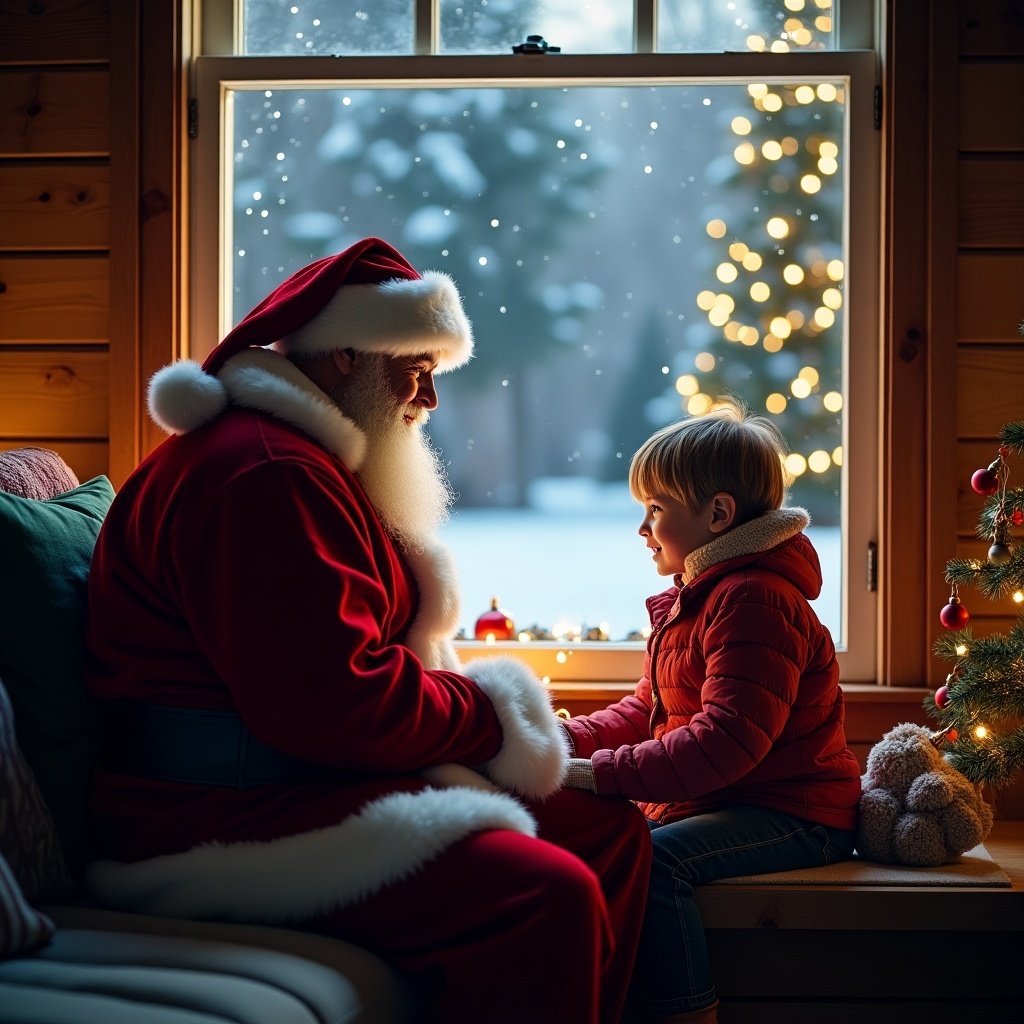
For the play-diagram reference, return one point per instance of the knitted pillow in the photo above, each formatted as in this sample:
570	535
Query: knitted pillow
21	927
45	549
28	837
35	473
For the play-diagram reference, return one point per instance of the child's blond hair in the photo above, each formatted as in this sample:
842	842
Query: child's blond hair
727	450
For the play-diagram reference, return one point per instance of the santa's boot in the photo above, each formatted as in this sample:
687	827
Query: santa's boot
705	1015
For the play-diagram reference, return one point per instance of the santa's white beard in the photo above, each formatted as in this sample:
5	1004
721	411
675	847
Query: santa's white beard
401	472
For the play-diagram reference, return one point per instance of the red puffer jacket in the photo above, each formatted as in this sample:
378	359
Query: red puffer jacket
740	701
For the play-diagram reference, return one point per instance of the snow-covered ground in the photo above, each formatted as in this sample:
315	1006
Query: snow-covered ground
580	567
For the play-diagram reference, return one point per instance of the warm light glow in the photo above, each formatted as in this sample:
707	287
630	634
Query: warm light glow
792	273
790	146
796	464
772	343
835	270
726	302
837	455
980	732
810	183
489	638
795	318
832	297
961	650
779	46
809	374
705	299
819	461
525	638
726	273
744	154
716	228
771	150
732	331
749	335
757	90
776	403
800	388
777	227
704	361
833	401
824	317
828	149
794	5
719	316
781	327
752	262
827	92
687	385
561	657
804	94
755	43
741	125
698	405
828	165
1018	596
737	251
760	292
773	102
823	23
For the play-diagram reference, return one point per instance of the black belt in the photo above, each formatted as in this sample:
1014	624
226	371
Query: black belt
192	745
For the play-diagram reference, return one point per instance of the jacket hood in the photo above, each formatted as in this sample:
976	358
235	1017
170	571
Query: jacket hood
774	541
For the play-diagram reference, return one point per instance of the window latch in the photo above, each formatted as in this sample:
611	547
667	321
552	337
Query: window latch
535	44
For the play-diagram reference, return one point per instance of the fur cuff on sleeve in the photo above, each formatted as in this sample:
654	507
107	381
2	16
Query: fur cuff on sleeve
532	756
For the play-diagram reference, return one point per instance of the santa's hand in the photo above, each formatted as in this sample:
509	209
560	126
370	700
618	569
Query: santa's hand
579	774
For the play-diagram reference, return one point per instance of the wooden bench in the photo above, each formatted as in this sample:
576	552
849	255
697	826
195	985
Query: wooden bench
839	954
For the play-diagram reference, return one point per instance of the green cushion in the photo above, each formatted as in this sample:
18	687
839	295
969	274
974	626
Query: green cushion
45	550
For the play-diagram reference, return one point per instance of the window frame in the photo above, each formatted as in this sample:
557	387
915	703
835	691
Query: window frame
611	667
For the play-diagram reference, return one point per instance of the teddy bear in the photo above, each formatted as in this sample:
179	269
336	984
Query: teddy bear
915	807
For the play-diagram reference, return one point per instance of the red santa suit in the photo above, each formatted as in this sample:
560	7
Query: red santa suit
243	574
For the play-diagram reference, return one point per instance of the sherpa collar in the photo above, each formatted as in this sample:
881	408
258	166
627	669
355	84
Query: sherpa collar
761	534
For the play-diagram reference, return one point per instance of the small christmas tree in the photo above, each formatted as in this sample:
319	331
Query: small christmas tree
980	709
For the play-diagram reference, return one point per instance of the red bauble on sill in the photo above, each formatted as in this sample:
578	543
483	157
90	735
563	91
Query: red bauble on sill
494	625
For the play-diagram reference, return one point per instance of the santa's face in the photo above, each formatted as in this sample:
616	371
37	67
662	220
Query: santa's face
410	381
390	399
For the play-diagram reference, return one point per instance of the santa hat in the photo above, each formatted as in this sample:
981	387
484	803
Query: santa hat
368	298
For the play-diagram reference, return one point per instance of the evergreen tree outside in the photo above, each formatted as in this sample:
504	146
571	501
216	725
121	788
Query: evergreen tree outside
980	708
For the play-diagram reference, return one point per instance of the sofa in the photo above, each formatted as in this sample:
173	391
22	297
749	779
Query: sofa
63	959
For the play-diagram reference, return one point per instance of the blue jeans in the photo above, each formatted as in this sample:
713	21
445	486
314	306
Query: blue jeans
673	970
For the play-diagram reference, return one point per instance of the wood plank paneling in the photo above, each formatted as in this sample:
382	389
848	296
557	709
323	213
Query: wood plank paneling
54	206
991	27
990	389
55	113
990	202
996	122
86	458
53	394
989	288
58	299
56	31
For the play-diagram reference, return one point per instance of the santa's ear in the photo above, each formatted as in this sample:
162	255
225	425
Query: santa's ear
344	359
723	512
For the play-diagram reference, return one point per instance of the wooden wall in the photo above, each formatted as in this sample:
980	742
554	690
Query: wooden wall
55	229
989	358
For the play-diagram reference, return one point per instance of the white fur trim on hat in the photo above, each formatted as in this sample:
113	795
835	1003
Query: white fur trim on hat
302	876
397	317
534	748
182	397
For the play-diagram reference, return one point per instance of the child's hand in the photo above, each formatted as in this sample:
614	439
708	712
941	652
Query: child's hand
579	774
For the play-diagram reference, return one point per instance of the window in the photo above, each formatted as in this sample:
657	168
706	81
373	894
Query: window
636	227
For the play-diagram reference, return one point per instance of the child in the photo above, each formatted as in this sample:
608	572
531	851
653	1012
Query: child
733	742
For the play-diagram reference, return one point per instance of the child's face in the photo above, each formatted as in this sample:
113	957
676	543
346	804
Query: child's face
673	530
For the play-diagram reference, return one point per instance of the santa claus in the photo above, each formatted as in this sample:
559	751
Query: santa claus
292	737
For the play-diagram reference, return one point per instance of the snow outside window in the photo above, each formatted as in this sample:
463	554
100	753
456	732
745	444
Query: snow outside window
633	235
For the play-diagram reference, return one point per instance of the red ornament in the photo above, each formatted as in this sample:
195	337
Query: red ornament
984	481
1017	517
942	696
494	624
952	735
954	615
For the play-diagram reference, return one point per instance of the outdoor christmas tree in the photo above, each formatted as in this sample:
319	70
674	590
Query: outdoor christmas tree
980	709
